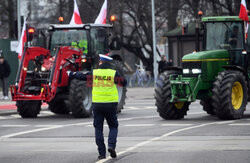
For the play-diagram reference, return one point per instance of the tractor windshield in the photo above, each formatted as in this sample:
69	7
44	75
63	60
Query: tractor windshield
99	40
68	38
224	35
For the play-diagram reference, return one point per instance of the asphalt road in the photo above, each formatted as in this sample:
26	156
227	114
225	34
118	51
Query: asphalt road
144	137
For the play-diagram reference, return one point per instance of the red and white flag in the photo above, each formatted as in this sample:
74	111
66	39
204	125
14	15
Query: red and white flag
22	41
244	16
243	11
101	19
76	18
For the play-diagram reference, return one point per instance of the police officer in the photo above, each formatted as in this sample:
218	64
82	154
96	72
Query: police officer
105	100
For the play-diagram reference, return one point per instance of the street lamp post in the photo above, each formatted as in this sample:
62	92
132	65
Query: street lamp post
154	42
18	19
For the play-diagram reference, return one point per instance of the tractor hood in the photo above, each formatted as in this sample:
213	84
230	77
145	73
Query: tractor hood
212	55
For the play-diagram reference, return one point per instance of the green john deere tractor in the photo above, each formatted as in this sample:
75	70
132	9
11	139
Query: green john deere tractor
218	76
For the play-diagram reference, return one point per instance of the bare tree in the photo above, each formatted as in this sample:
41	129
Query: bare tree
8	16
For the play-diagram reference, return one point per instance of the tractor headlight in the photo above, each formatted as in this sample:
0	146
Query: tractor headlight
196	71
43	69
185	71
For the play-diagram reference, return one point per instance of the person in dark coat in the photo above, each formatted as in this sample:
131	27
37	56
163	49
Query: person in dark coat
4	74
162	64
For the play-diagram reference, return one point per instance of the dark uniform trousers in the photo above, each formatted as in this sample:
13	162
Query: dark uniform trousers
107	111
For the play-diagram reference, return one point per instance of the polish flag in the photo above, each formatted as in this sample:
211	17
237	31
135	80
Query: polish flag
22	41
243	11
76	19
101	19
244	15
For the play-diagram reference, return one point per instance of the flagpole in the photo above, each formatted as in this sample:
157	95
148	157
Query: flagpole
18	19
154	42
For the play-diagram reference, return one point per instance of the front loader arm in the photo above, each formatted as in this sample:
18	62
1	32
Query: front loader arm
62	53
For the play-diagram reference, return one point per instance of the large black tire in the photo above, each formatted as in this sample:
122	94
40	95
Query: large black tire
58	104
207	106
118	66
80	99
167	109
230	94
29	108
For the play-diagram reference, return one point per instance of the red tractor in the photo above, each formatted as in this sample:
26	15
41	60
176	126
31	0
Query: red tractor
42	74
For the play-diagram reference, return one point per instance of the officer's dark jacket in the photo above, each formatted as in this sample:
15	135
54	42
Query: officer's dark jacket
4	69
78	75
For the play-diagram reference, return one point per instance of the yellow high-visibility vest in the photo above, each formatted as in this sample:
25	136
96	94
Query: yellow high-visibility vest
104	88
81	44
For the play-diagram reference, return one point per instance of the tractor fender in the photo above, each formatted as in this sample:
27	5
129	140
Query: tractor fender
234	67
237	68
115	57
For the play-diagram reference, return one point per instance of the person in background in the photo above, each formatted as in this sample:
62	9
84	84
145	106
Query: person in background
162	64
4	74
235	39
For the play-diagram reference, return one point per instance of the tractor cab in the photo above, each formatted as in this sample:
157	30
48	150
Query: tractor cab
91	39
226	33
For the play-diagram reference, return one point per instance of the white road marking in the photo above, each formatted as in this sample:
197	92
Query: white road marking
151	107
194	113
1	117
139	125
93	126
132	118
47	112
29	131
142	103
15	115
139	108
177	124
132	108
47	125
240	124
157	138
67	125
224	122
14	125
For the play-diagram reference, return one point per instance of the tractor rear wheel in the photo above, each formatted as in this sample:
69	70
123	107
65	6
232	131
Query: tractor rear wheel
167	109
28	108
230	94
58	104
118	66
80	99
207	106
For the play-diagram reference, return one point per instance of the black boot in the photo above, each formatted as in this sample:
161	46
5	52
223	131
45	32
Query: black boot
112	152
101	157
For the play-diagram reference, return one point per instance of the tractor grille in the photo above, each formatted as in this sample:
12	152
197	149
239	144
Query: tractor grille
190	66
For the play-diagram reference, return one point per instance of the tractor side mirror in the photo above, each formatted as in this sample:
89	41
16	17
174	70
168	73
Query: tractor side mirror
115	44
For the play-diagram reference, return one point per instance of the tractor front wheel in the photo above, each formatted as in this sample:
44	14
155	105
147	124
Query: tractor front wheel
80	99
167	109
58	104
29	108
230	94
